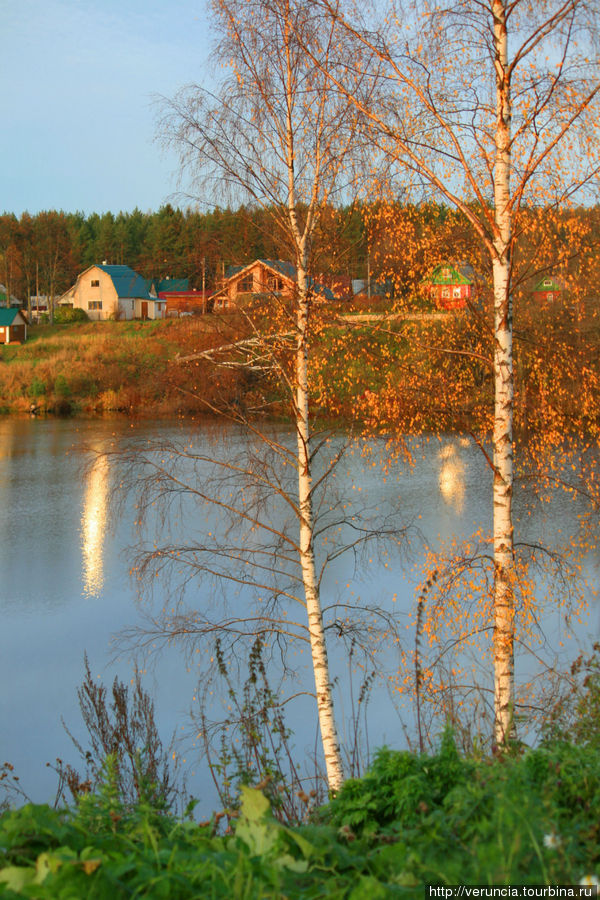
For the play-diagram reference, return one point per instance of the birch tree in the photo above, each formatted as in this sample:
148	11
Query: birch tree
277	134
489	105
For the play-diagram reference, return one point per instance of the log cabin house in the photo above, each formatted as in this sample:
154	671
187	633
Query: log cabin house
273	277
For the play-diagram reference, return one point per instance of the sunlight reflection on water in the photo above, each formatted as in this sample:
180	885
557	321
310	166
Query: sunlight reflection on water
93	526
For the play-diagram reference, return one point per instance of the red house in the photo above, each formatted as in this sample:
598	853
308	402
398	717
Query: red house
547	290
450	285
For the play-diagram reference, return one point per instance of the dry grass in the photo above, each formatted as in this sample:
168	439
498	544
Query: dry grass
97	367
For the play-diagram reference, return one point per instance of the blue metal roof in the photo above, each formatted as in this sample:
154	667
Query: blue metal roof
172	284
323	290
281	266
8	316
288	270
177	285
127	282
233	270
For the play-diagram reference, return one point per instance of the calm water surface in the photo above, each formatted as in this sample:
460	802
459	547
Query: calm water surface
66	590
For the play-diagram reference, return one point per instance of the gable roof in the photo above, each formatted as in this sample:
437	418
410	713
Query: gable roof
14	301
276	265
168	284
457	274
8	316
547	284
281	267
127	282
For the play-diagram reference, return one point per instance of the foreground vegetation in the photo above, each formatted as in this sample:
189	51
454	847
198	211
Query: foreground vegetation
528	816
411	820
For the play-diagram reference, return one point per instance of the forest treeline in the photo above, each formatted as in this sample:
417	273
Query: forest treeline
396	242
44	253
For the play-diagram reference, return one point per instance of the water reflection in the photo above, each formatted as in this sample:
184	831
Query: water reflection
44	568
451	478
93	527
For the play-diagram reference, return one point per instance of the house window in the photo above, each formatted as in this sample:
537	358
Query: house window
274	283
94	304
446	293
245	285
446	273
95	282
457	293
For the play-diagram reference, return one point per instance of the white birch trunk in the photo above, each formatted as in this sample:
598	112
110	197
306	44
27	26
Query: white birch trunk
503	399
323	688
318	646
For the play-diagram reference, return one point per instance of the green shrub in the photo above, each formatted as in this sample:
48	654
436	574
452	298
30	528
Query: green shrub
104	849
529	819
449	820
66	315
37	387
61	386
576	717
398	789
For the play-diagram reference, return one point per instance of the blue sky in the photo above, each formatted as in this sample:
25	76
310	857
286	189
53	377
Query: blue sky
77	104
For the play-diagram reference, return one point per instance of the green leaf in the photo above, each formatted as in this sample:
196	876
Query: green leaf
255	827
17	877
45	864
259	838
305	846
285	861
255	805
369	888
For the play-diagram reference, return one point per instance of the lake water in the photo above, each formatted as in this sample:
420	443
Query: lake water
66	589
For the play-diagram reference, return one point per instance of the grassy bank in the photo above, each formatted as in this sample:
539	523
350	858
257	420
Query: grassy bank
413	373
91	368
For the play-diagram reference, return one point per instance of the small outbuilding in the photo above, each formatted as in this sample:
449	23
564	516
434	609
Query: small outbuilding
186	303
13	326
156	286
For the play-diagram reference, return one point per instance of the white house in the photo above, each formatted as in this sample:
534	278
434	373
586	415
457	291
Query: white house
113	292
